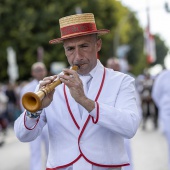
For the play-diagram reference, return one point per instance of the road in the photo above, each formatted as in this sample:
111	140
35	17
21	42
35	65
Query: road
149	151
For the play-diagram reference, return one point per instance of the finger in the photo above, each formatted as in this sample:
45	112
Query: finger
50	95
67	78
70	72
71	75
47	80
67	82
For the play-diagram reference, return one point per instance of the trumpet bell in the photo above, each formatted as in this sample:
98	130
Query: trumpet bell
31	102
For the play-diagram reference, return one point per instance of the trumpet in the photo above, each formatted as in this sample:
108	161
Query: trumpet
32	101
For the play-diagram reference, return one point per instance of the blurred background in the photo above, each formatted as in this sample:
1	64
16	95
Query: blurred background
138	38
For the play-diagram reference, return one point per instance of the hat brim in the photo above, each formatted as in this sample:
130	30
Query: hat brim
60	40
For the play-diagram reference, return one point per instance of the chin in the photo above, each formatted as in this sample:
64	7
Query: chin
83	69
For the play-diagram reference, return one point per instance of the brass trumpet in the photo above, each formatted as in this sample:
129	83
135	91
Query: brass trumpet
32	101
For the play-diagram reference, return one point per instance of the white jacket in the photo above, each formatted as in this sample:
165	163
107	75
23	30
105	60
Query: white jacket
99	141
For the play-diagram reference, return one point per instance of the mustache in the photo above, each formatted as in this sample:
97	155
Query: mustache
79	64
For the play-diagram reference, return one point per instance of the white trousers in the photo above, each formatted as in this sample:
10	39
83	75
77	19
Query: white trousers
166	129
82	164
36	162
129	152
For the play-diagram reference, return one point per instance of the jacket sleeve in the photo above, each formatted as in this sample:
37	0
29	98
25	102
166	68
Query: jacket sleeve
27	129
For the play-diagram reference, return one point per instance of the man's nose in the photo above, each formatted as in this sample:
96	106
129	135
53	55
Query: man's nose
78	53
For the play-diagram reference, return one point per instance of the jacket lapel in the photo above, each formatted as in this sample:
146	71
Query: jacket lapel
93	90
72	107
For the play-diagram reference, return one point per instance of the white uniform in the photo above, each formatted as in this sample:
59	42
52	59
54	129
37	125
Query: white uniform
35	146
95	141
161	96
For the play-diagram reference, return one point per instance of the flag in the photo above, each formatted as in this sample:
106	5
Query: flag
149	46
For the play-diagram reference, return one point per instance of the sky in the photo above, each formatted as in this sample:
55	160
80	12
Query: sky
159	18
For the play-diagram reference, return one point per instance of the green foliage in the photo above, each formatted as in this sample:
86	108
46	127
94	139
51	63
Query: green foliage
161	50
27	25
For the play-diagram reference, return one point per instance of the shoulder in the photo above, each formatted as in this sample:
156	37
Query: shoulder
119	75
165	74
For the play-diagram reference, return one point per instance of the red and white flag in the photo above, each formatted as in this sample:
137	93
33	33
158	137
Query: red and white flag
149	46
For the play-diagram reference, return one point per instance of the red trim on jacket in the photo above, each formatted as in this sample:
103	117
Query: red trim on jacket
97	117
64	166
101	86
69	109
105	166
25	122
98	94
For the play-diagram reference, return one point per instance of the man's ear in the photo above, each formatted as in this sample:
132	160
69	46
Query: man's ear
99	44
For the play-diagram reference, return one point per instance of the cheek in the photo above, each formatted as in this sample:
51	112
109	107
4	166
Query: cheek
70	59
92	52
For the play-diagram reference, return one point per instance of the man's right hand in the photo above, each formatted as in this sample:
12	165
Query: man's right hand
49	97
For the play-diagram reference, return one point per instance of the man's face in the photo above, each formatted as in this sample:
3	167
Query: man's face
82	51
114	64
39	73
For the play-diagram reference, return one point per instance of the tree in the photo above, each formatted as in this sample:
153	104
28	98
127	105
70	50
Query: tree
161	50
29	24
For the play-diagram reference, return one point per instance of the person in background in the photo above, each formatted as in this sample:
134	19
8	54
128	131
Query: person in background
146	98
38	72
12	102
161	96
3	113
148	106
113	63
88	115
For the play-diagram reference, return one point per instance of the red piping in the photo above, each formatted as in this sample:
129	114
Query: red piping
69	109
25	122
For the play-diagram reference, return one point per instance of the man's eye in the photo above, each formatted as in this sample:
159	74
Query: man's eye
70	49
84	46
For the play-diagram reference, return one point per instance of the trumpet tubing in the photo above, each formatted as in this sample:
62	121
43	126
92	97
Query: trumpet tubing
32	101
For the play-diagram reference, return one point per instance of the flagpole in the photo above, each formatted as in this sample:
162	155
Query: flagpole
149	45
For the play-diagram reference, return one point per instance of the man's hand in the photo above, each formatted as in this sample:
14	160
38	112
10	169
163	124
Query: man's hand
73	82
75	85
49	97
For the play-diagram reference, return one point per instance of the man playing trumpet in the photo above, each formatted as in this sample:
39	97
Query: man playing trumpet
91	112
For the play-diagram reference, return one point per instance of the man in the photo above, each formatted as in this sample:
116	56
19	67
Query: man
161	97
147	102
3	112
38	72
113	63
91	113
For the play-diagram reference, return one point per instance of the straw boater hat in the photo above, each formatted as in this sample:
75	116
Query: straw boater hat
77	25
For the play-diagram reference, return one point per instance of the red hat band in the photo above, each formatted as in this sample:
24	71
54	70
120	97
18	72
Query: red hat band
78	28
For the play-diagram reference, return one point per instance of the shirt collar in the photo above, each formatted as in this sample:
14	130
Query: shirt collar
92	72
